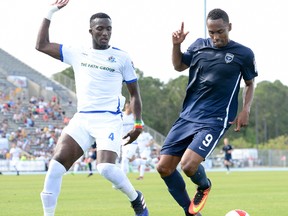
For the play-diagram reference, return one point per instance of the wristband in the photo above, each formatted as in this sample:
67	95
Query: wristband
51	11
138	124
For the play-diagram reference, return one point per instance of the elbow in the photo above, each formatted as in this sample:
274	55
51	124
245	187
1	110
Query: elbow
38	47
180	67
177	68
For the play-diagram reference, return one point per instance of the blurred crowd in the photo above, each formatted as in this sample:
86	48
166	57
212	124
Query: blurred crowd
34	124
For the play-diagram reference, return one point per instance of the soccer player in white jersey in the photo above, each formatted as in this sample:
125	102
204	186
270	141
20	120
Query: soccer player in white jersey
99	74
128	153
145	142
15	153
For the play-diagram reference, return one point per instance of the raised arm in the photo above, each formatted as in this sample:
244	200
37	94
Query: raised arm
43	43
177	38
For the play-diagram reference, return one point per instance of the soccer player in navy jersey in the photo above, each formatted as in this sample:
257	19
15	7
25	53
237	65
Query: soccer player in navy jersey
216	67
227	149
92	156
99	74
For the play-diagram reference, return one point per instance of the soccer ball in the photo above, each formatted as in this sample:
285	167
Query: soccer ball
237	212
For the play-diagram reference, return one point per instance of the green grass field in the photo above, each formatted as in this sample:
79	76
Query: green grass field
259	193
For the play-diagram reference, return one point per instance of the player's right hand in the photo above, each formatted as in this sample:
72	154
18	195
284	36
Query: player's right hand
179	36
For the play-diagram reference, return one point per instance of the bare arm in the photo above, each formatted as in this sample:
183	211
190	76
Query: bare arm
43	43
242	119
177	38
136	105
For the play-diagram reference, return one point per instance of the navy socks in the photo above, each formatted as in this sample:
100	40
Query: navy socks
200	178
177	188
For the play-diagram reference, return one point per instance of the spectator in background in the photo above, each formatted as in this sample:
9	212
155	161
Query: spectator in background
45	117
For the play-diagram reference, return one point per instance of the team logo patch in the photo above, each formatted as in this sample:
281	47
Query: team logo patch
111	59
229	58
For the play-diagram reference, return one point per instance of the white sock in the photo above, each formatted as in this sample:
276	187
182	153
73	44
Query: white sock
52	186
118	178
142	167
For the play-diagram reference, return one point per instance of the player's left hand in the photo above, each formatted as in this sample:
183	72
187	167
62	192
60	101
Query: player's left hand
132	135
241	120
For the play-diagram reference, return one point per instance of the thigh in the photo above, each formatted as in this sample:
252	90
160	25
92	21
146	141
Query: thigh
104	156
178	138
146	153
167	164
206	139
107	130
128	151
77	129
67	151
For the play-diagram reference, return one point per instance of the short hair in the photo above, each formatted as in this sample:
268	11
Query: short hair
99	15
218	14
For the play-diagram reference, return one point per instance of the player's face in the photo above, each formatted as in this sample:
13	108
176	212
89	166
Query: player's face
101	29
219	32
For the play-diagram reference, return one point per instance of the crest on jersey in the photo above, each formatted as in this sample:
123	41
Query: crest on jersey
229	57
111	59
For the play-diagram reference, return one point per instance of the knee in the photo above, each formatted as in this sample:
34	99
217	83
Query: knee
163	170
189	168
102	168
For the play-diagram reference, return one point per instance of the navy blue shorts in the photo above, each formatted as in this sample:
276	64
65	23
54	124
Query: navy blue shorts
198	137
93	156
228	157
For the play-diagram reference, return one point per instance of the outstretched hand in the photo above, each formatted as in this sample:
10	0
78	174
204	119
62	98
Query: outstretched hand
60	3
179	36
132	135
241	121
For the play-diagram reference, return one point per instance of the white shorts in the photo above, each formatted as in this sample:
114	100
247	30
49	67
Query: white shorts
128	151
14	162
145	153
104	128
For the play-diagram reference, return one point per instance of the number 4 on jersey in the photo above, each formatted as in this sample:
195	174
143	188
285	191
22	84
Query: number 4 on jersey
111	136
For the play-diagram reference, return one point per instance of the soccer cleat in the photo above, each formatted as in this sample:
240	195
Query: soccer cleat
90	174
139	205
199	200
198	214
139	178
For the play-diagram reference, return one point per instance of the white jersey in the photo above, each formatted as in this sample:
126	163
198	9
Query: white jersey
99	76
143	139
15	153
128	124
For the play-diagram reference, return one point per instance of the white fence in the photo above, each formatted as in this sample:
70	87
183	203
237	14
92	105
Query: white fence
26	166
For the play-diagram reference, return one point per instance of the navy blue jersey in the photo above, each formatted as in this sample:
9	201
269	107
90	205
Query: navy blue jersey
214	81
227	149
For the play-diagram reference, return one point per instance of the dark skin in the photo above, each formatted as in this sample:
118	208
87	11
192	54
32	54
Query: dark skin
219	33
67	150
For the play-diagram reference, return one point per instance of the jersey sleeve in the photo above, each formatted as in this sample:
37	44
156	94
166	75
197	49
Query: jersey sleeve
249	69
194	47
68	54
129	74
